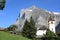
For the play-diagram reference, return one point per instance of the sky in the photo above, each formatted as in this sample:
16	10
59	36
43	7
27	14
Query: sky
12	9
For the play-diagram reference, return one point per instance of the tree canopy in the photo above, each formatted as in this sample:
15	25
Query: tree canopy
12	28
2	4
50	34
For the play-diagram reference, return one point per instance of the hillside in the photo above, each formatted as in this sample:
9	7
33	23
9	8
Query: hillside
7	36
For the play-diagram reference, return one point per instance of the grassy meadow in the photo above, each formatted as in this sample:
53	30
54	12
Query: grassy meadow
7	36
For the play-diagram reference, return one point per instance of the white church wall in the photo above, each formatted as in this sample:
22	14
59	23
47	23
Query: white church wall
52	26
40	33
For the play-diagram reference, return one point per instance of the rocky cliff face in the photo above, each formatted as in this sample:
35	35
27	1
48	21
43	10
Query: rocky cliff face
40	16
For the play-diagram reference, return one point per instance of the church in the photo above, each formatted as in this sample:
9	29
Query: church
51	26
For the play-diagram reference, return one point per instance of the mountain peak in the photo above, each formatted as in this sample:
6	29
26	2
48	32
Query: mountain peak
33	6
40	16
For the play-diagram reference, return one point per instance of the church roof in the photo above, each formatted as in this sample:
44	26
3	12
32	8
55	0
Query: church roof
43	28
51	18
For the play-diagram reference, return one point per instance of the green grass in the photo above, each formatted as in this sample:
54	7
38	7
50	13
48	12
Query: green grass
7	36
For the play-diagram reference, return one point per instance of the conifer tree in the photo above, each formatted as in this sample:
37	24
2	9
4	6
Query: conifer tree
25	29
50	35
32	28
29	29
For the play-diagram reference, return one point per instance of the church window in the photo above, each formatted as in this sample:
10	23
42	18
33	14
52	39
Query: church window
51	22
52	28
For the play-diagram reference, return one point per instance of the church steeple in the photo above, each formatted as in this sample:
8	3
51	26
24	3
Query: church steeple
51	23
51	18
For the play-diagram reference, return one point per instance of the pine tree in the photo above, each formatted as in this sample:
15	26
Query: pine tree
50	35
25	29
29	29
32	28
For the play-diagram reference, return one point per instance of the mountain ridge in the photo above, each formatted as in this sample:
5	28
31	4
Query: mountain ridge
39	15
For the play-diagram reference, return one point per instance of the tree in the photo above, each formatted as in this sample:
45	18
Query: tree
50	35
25	29
33	29
12	28
29	29
2	4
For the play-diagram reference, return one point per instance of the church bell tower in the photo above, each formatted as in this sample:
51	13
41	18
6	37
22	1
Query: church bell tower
51	24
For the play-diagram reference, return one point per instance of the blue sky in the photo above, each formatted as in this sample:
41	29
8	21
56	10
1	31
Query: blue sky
12	9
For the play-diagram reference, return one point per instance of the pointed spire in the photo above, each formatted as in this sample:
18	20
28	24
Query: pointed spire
51	18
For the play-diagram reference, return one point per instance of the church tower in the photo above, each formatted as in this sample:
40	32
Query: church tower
51	23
